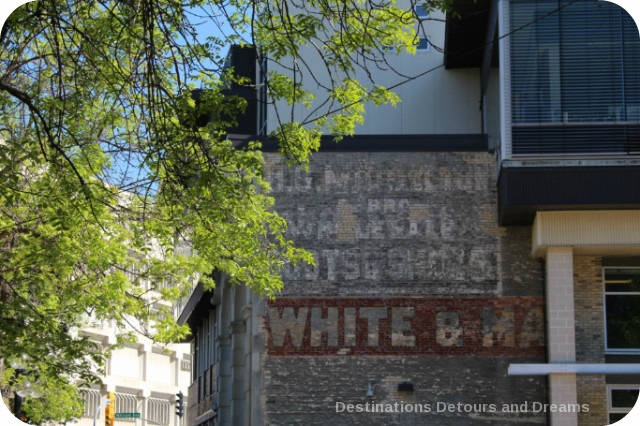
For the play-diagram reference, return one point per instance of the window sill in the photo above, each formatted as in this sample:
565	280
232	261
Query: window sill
622	352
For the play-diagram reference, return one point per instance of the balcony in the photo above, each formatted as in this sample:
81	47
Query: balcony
570	108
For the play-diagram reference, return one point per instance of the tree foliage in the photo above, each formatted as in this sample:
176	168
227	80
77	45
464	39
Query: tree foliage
103	178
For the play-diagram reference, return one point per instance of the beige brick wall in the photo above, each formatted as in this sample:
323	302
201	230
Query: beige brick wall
561	330
560	305
592	391
588	292
589	311
562	390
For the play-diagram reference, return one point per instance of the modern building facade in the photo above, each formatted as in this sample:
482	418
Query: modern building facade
569	125
477	249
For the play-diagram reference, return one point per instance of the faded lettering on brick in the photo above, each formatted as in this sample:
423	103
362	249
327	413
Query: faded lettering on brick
287	322
486	326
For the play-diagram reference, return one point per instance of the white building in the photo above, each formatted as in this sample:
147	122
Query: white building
145	378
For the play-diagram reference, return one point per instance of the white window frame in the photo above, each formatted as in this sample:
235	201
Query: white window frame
614	410
607	349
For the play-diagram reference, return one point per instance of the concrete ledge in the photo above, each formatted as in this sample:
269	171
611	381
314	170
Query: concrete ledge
209	414
545	369
593	232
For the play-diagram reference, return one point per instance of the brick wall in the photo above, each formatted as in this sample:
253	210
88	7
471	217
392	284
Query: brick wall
592	390
588	293
413	230
589	311
488	327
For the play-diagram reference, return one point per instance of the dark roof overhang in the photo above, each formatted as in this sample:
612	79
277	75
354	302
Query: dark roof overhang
198	305
466	30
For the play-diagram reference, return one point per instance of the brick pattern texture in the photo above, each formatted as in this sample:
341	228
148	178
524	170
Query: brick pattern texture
589	306
398	225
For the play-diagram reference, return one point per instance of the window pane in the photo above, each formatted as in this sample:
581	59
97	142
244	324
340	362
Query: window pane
575	77
423	44
421	12
623	321
205	344
614	417
91	402
579	64
624	398
194	357
126	403
200	351
591	63
158	411
631	49
535	62
622	279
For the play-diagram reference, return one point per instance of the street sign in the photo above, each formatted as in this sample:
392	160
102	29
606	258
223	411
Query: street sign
127	415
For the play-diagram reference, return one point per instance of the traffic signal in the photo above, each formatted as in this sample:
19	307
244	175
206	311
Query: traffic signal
180	404
110	410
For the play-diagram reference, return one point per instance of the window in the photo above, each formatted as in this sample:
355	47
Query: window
158	411
423	44
205	346
126	403
204	353
185	362
579	64
91	401
622	309
194	357
165	282
421	11
575	68
213	337
620	400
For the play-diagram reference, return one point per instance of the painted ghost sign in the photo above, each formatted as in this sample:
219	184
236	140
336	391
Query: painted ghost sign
505	326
